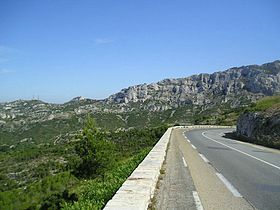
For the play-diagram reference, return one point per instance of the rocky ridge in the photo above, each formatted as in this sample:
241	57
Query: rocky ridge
180	100
235	86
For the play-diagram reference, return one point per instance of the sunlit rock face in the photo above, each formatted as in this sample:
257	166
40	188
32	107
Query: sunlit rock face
261	127
235	86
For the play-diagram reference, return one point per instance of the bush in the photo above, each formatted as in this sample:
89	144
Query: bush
98	192
94	151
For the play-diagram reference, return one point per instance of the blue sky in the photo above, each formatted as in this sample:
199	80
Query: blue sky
59	49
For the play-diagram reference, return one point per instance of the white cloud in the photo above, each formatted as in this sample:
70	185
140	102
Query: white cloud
101	41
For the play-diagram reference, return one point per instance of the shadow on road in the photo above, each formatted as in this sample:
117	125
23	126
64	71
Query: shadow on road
231	136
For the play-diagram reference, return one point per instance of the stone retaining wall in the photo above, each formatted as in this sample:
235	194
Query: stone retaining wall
137	191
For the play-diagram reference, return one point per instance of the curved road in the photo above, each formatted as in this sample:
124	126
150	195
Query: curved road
248	171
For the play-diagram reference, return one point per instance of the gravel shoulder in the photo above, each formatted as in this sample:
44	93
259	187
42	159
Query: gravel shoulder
175	186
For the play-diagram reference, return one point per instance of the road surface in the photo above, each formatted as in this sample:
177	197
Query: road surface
190	183
175	186
247	170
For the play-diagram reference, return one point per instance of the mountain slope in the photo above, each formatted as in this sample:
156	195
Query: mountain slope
215	98
235	86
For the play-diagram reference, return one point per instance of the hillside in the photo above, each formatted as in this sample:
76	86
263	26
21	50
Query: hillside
260	124
87	170
42	144
216	98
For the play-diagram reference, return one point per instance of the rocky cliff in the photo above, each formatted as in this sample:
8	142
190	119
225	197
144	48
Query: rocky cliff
261	127
235	86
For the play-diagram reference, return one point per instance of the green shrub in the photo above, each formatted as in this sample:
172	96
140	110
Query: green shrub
264	103
94	151
97	192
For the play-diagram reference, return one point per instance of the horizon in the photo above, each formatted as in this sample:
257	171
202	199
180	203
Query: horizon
37	98
61	50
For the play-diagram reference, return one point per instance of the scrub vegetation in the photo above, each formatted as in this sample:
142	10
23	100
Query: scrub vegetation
265	104
83	173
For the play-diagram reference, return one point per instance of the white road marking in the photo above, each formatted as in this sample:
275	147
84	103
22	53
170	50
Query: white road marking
244	153
230	187
197	201
204	158
185	164
193	146
220	134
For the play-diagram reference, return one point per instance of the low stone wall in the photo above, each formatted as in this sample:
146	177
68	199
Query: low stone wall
138	190
191	127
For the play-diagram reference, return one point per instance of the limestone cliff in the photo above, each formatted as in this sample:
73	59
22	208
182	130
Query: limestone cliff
203	98
261	127
235	86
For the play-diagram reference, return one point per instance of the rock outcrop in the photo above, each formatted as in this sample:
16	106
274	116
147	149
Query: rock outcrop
260	127
235	86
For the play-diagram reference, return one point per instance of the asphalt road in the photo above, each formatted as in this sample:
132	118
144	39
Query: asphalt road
250	171
175	187
187	182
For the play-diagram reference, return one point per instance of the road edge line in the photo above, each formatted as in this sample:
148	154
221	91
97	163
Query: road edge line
197	201
204	158
229	186
244	153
